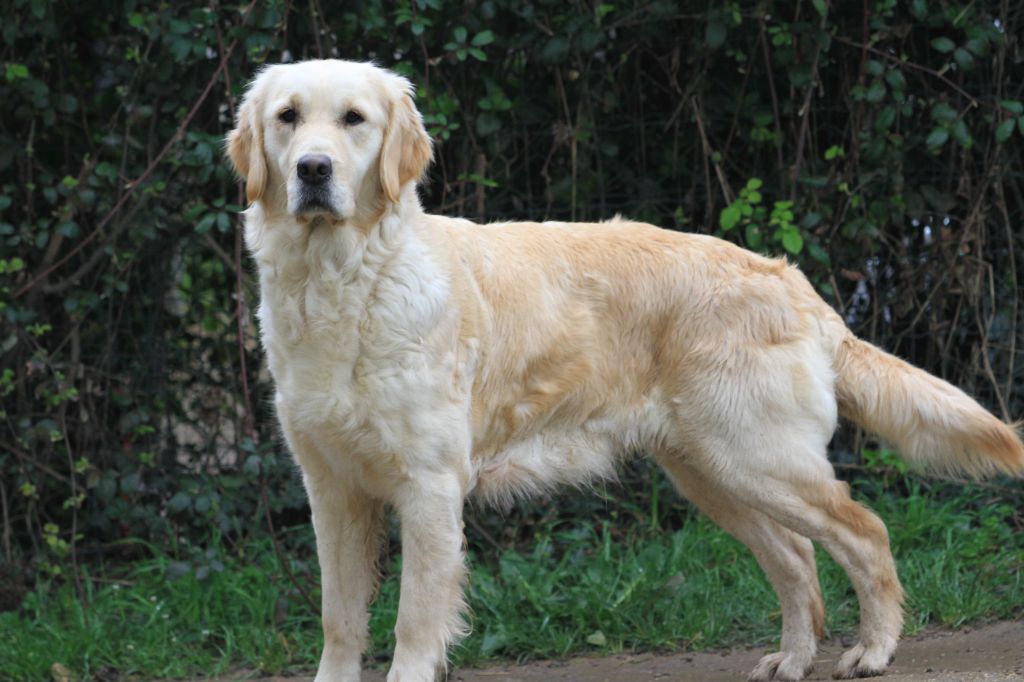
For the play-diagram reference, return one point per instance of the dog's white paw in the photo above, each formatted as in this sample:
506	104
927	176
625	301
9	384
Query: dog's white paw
782	665
864	661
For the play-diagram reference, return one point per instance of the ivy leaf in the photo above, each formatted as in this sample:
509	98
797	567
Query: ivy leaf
895	79
875	93
15	71
730	217
962	135
714	34
1004	130
874	67
555	49
487	123
943	113
483	38
180	502
937	138
204	225
963	58
1013	106
792	241
943	45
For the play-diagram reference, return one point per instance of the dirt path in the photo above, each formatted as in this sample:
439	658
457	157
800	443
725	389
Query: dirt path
990	652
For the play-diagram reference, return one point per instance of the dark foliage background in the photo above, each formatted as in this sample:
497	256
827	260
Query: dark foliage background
877	144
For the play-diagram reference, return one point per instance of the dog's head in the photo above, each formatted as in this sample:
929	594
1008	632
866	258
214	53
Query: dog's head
328	138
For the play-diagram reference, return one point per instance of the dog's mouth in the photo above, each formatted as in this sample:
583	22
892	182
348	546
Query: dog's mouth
316	201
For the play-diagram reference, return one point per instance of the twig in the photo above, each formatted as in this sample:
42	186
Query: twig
804	114
726	190
932	72
25	457
775	98
7	524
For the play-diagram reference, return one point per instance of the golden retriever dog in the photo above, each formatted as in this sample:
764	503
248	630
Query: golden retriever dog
420	359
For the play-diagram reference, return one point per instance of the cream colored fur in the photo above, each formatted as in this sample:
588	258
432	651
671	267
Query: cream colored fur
420	359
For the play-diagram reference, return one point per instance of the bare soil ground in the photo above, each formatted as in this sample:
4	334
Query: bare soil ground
988	652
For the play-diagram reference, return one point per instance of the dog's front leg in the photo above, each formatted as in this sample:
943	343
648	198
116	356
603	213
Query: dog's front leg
348	526
429	609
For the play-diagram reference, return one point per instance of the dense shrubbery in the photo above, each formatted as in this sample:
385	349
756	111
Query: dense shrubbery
879	146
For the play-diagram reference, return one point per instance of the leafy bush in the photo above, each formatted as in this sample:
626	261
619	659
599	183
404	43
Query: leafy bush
879	146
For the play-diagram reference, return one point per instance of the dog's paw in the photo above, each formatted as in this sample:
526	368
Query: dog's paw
864	661
781	665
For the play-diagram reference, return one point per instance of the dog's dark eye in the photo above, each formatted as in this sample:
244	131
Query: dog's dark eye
353	118
287	116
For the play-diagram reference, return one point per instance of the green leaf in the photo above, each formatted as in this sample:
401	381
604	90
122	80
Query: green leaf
937	138
482	38
754	183
67	103
875	93
460	34
792	241
962	135
943	45
714	34
895	79
730	217
821	6
597	638
885	119
754	237
555	50
1004	130
943	113
204	225
874	67
1013	106
14	71
180	502
963	58
487	123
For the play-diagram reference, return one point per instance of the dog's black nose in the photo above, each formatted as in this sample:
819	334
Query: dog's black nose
314	169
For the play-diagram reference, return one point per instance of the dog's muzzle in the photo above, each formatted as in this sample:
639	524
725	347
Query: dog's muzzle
314	172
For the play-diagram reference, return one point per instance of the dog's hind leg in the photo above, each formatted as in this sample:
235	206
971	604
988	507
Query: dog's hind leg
821	508
786	558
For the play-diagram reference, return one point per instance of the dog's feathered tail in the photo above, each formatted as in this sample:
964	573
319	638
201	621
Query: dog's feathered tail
931	422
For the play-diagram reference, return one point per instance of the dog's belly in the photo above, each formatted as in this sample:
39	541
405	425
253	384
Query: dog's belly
568	453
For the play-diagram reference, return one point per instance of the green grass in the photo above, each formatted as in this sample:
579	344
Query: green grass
578	589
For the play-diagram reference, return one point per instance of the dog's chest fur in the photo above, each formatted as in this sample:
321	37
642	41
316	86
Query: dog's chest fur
350	325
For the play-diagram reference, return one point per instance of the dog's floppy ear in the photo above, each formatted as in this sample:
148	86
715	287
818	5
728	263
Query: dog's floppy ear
245	148
407	150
